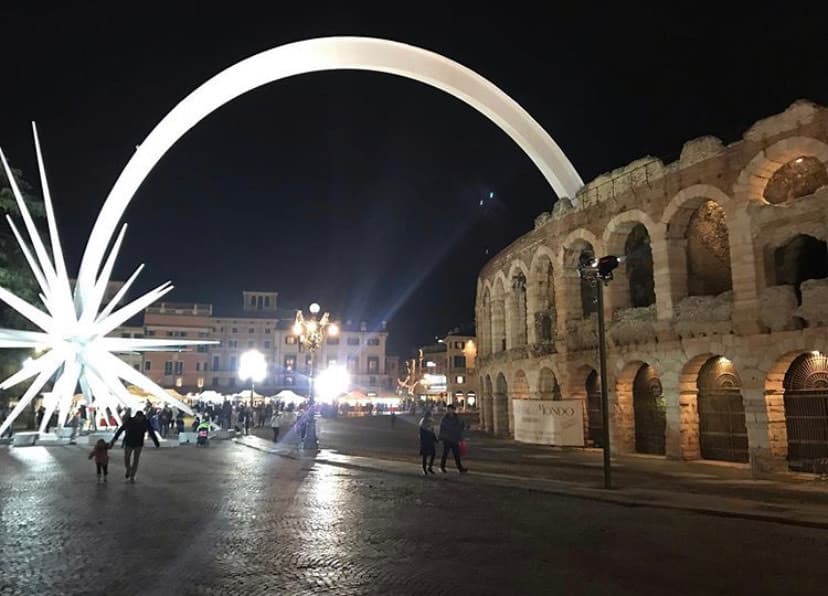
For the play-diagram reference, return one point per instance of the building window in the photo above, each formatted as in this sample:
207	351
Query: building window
252	301
125	335
179	368
168	367
458	345
353	341
290	339
267	330
372	381
267	302
215	382
137	367
353	364
459	379
202	349
267	345
179	382
232	381
147	365
235	329
251	330
198	366
232	363
202	334
459	362
151	333
216	363
290	362
332	341
372	341
373	364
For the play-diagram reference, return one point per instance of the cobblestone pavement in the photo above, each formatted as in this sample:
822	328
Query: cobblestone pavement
233	520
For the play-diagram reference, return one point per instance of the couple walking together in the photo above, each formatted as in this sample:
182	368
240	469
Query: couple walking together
451	434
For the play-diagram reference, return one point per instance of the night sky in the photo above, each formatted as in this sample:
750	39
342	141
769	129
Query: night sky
357	190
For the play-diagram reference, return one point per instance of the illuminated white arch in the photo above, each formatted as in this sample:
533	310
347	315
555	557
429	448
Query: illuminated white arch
314	55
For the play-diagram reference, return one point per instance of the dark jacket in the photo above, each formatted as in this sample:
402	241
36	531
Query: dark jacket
451	428
428	439
135	428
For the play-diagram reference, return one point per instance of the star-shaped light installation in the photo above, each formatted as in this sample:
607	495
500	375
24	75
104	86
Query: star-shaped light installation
72	345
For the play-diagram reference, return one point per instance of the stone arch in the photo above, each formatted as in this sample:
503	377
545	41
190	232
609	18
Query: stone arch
753	179
316	55
484	321
498	316
632	234
500	406
803	257
698	243
548	386
640	413
541	302
578	294
516	306
486	403
797	388
712	418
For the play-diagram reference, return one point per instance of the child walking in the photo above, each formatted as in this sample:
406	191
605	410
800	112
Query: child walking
101	454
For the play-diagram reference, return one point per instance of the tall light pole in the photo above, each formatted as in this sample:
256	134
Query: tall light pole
598	272
311	333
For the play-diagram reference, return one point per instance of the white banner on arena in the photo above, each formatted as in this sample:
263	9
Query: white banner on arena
549	422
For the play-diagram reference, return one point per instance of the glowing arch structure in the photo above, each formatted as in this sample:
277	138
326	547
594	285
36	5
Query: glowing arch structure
315	55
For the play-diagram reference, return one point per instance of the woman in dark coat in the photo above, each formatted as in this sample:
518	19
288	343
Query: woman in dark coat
428	443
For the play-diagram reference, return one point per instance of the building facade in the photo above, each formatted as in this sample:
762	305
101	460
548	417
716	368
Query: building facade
259	324
716	319
446	370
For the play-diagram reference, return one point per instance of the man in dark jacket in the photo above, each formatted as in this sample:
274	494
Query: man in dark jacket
451	433
134	427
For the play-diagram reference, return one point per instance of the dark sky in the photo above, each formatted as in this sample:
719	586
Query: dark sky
360	190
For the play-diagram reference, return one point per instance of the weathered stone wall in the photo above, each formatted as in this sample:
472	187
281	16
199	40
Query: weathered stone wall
712	235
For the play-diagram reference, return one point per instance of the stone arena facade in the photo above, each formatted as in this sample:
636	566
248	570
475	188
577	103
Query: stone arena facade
716	318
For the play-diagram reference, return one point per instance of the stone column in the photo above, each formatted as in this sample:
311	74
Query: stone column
622	420
746	266
500	413
688	406
767	433
674	413
669	271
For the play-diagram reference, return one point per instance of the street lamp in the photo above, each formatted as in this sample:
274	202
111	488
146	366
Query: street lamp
253	367
598	273
311	333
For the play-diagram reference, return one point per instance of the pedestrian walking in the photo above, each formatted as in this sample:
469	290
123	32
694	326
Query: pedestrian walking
393	419
451	434
179	422
101	454
275	420
428	443
134	428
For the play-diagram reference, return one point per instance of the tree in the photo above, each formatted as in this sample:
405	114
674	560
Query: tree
15	274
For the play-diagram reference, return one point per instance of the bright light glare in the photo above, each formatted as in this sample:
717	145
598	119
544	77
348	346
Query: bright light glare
253	366
332	382
333	330
314	308
312	326
297	329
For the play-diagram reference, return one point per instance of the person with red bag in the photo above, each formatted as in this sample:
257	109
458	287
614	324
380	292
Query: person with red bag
451	435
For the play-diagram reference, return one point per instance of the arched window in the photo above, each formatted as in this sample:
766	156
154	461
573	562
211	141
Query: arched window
639	266
799	177
708	251
802	258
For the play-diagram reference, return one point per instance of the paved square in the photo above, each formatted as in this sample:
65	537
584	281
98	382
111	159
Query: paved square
233	520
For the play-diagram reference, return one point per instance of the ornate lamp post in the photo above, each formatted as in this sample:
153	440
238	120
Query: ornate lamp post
598	272
311	334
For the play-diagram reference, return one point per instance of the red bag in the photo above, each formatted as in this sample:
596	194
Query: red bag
464	449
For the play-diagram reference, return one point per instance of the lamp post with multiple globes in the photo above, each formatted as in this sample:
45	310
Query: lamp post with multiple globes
311	333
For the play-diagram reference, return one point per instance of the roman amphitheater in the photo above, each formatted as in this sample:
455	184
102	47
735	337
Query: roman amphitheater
716	319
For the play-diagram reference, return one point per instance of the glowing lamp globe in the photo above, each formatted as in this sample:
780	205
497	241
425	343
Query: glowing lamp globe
253	366
314	308
333	330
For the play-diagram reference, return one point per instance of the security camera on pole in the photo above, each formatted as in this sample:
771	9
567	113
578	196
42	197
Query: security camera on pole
598	272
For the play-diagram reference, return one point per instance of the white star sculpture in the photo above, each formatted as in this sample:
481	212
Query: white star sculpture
73	345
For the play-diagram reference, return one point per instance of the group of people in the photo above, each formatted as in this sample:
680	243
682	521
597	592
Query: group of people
450	434
134	427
